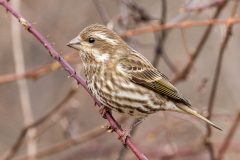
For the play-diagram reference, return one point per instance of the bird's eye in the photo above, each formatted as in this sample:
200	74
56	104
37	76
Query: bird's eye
91	40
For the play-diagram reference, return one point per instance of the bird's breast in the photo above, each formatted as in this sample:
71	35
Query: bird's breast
119	94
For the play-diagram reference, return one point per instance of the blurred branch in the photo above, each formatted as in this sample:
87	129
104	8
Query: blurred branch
90	135
71	142
182	75
35	124
186	24
211	4
160	39
39	72
160	36
228	138
54	54
183	152
24	95
216	80
142	15
102	11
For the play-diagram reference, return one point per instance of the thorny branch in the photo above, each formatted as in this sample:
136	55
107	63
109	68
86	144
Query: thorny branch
54	54
150	28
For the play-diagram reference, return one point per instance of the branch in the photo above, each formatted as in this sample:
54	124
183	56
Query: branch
39	72
185	71
55	55
228	138
35	124
160	39
155	27
216	81
67	144
102	11
204	6
25	103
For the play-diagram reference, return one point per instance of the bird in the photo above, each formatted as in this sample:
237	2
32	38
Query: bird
123	80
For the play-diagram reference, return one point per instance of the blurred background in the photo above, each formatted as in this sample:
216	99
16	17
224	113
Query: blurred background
33	87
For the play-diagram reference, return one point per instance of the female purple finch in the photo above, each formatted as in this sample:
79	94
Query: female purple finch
122	79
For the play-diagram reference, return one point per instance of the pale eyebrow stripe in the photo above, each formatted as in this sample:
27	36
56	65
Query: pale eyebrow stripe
103	36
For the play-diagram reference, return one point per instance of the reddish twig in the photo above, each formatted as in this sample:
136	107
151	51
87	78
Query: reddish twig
54	54
155	27
37	73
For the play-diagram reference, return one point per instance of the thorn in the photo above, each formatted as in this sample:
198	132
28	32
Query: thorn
108	128
72	74
24	22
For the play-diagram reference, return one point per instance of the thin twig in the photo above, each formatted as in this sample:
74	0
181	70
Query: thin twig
102	11
154	27
211	4
36	123
228	139
142	15
213	92
67	144
54	54
22	84
185	71
39	72
160	39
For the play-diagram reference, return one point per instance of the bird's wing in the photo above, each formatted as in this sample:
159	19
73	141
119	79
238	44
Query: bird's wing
140	71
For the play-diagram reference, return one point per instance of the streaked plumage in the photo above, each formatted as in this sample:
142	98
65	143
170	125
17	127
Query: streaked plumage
122	79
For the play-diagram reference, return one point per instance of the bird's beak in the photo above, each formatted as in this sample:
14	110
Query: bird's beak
74	43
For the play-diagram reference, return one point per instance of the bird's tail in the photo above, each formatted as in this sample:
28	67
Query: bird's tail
188	110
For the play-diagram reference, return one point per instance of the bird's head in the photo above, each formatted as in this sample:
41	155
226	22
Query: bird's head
97	41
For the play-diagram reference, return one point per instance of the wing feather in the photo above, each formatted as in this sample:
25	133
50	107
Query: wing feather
141	71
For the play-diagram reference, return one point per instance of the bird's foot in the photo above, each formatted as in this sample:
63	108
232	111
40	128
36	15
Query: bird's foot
127	132
103	110
124	135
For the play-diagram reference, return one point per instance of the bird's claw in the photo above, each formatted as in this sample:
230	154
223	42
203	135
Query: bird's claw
124	135
103	110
